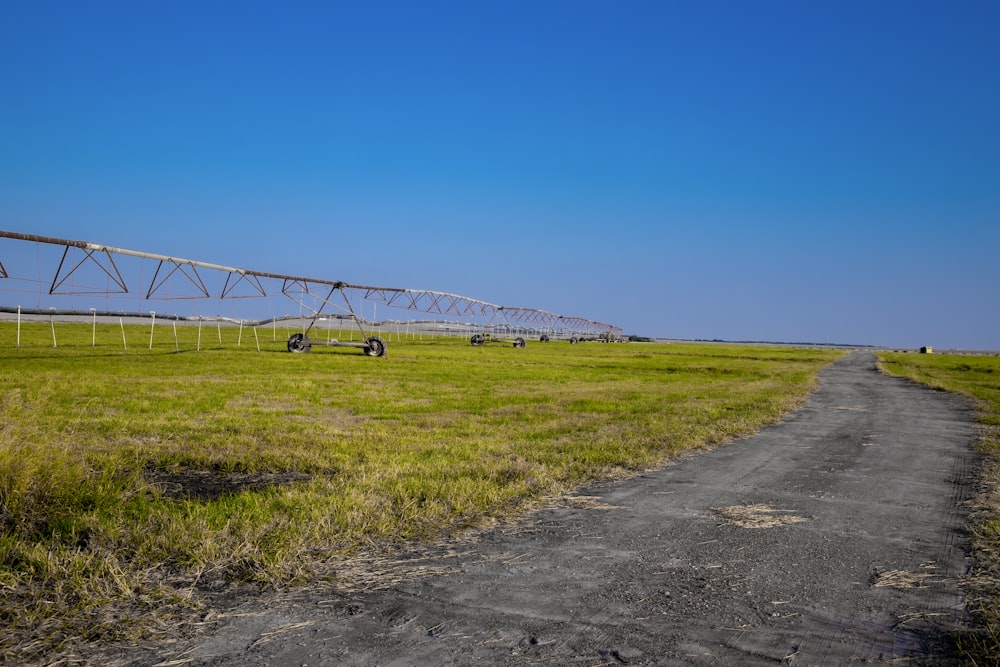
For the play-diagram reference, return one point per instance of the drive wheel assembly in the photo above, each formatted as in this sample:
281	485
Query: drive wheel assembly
299	343
374	347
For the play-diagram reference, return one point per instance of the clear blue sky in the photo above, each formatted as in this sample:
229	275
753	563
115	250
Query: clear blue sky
743	170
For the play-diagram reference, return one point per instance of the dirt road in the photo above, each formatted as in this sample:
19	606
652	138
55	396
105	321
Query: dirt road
834	537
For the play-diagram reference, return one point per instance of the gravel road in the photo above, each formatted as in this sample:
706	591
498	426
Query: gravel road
835	537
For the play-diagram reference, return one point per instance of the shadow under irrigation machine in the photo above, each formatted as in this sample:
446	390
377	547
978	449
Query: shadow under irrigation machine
317	297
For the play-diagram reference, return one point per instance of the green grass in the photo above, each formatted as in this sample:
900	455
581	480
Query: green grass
979	378
371	453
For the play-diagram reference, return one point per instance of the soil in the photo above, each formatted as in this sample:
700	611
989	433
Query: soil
836	537
193	484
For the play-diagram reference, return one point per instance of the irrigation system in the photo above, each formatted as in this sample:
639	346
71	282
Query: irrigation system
59	272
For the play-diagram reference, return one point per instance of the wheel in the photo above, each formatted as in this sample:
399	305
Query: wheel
299	343
544	338
477	339
574	340
375	347
518	342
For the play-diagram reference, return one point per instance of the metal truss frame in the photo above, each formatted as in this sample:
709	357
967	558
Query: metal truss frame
111	270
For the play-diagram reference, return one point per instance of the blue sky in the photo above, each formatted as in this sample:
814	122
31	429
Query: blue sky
752	170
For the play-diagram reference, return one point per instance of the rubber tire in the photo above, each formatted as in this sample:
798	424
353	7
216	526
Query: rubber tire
298	343
544	339
574	340
518	342
477	340
375	347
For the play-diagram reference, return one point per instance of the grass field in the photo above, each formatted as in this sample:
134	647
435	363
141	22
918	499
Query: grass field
979	378
134	483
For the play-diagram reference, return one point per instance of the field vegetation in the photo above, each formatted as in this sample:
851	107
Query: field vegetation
977	377
134	484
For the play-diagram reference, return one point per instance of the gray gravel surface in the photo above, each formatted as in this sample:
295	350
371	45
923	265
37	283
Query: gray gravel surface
835	537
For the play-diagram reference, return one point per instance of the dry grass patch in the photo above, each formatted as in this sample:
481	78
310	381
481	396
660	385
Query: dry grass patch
582	503
904	579
756	516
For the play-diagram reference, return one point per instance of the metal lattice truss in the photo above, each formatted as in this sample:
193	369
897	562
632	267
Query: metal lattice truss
176	278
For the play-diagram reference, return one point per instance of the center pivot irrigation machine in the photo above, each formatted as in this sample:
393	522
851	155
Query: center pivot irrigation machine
99	272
